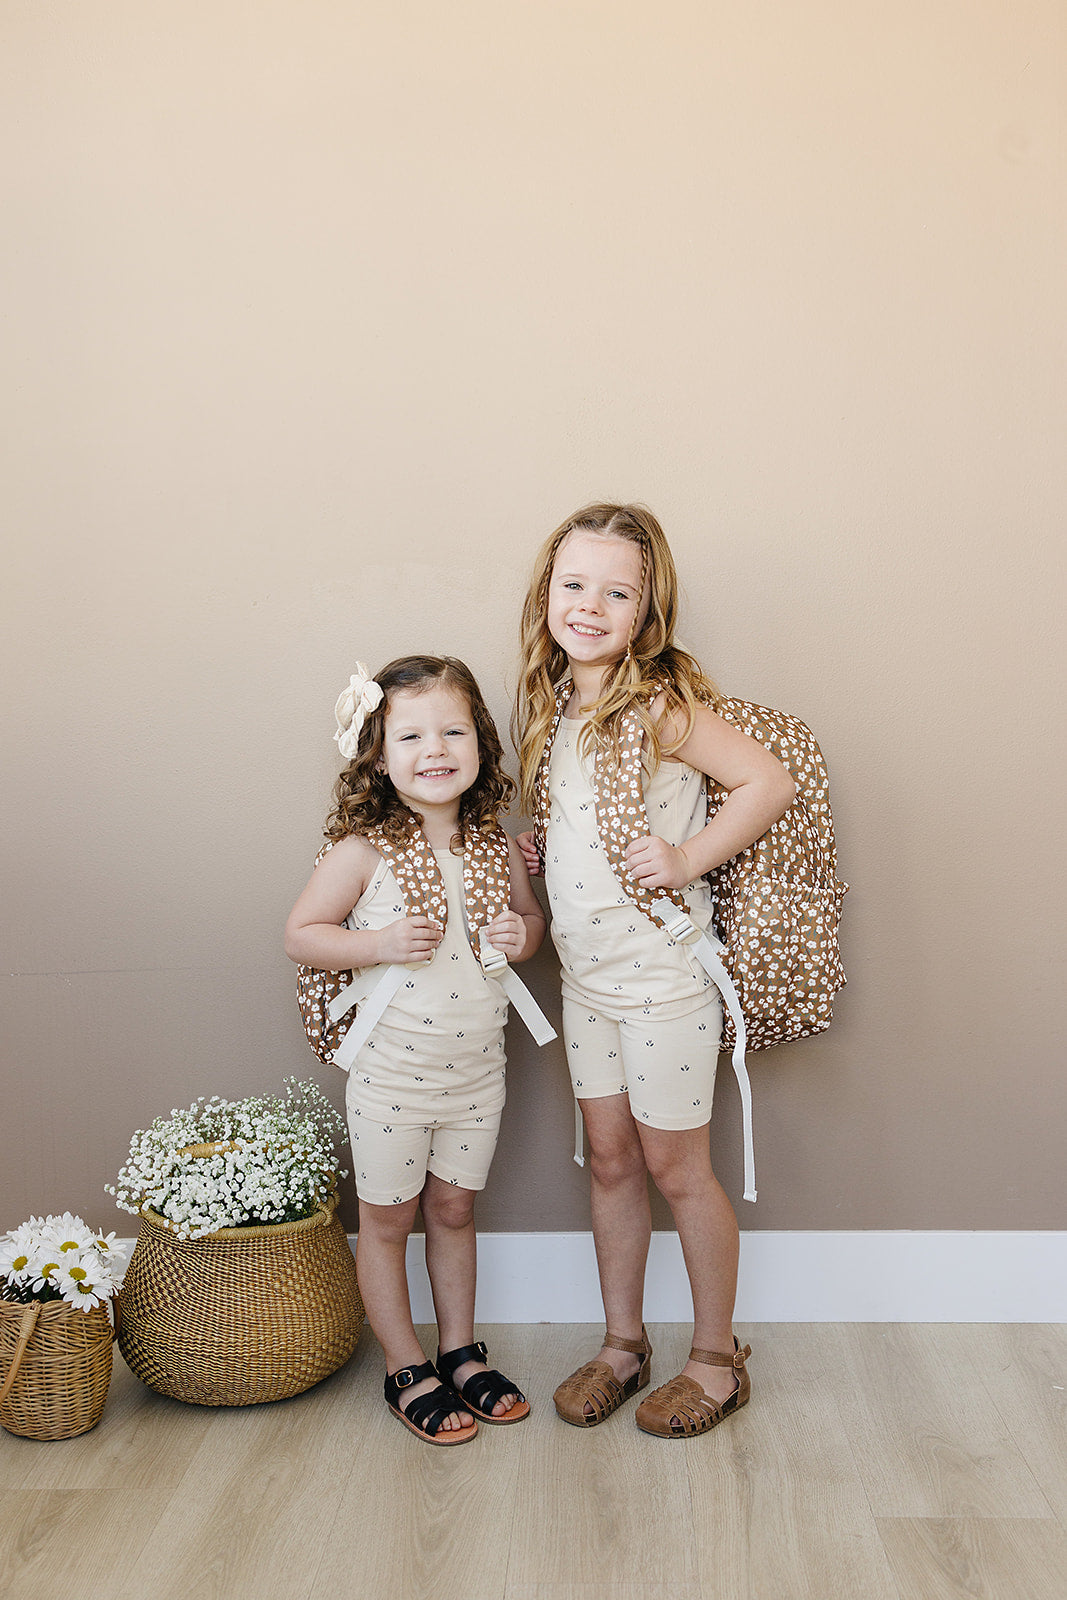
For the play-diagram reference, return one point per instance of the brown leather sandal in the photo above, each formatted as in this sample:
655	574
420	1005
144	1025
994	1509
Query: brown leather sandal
679	1408
597	1386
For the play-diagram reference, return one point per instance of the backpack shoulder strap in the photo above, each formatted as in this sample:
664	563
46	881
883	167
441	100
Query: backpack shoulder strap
540	820
622	818
486	880
415	869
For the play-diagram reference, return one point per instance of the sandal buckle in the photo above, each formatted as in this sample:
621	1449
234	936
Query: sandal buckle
404	1378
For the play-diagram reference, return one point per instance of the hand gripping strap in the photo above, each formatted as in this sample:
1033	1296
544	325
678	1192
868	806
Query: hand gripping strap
486	891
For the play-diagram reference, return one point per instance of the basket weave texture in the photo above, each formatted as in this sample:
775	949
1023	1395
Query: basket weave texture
63	1371
240	1316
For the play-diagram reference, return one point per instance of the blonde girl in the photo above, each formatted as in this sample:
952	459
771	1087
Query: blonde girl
425	1091
641	1018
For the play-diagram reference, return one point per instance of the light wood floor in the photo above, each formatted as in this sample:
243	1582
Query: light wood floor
876	1462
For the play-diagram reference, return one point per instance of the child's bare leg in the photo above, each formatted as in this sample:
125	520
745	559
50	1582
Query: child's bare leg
680	1163
622	1221
452	1264
381	1267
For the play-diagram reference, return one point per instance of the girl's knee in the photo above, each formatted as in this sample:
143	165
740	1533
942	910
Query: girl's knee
388	1223
678	1166
616	1161
446	1205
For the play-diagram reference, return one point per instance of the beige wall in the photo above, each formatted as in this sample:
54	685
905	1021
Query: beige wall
323	314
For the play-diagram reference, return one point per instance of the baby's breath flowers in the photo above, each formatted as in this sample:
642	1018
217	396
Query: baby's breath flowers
58	1258
275	1162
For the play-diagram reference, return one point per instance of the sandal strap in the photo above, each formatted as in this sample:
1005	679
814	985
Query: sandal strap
633	1347
682	1401
447	1362
427	1411
716	1358
595	1385
406	1378
483	1390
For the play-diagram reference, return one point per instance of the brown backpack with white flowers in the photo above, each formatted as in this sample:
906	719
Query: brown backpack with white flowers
777	903
486	891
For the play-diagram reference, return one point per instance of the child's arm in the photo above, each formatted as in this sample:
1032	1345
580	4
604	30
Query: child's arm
315	935
759	791
519	930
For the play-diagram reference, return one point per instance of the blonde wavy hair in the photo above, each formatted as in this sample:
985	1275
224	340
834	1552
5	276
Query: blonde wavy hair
364	796
652	662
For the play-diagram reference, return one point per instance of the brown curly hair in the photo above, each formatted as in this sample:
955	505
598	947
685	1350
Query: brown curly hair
364	797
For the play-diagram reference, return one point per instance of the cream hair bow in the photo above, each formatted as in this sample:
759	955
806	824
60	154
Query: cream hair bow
353	705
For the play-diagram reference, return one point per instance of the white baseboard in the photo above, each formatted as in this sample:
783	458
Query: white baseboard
784	1277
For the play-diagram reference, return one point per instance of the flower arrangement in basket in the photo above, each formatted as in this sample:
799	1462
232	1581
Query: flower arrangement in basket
242	1286
56	1277
235	1163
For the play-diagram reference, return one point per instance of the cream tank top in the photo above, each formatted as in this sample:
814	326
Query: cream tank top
437	1055
610	953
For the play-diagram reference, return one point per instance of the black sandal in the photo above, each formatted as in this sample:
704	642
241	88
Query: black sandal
482	1390
426	1414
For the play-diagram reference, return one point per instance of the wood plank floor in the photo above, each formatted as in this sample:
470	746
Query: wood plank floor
876	1462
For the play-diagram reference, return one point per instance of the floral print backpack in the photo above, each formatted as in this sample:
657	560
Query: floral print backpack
777	903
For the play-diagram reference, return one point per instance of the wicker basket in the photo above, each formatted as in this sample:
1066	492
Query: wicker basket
243	1315
57	1362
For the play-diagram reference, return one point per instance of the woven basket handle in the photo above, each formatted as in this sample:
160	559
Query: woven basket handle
26	1327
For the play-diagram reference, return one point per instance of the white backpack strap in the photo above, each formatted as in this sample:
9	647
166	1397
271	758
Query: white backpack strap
682	928
422	887
495	965
368	1015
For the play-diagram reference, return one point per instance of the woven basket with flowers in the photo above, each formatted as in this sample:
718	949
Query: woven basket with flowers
56	1277
241	1287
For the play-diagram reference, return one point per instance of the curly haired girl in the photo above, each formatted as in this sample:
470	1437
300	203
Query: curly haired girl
415	821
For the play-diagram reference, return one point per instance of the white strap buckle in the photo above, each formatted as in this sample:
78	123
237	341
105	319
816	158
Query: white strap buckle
678	924
495	965
493	961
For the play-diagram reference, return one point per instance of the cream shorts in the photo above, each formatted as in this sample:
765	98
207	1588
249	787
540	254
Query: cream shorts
391	1160
666	1067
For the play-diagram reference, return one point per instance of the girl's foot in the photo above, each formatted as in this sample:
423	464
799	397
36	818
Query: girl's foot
490	1395
684	1407
718	1383
591	1394
623	1363
455	1419
429	1408
468	1369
